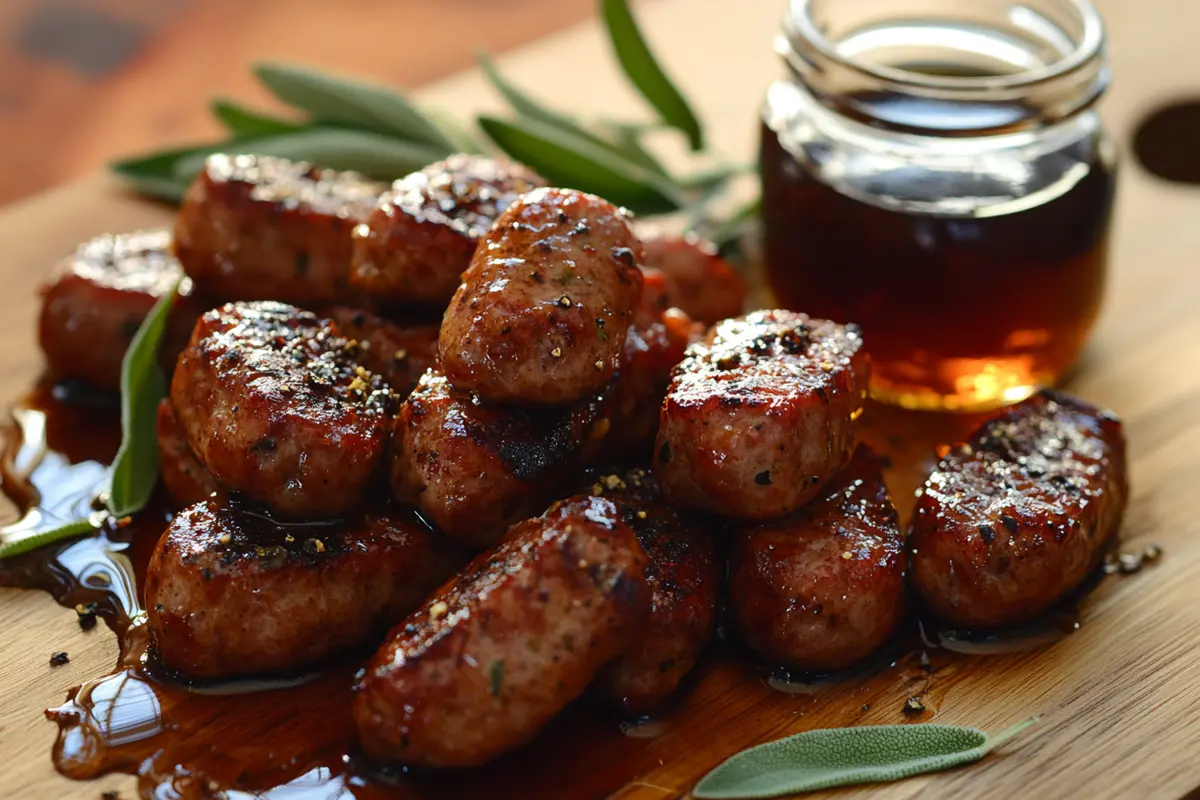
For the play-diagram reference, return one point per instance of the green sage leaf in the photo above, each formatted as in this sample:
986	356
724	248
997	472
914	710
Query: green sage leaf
566	159
372	154
823	759
241	121
350	102
143	386
154	174
33	541
645	73
622	141
464	140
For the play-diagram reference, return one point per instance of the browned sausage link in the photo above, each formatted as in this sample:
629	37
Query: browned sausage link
825	587
419	239
259	228
1020	513
542	312
275	407
96	300
760	415
699	281
655	344
474	469
681	572
185	478
231	593
400	353
493	655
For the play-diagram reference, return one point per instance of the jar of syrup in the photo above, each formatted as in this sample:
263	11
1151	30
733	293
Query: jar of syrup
935	171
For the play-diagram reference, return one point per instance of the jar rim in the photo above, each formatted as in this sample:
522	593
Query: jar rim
1089	45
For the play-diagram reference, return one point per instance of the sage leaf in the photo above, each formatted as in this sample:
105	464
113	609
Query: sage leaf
154	174
519	101
241	121
32	541
143	386
349	102
823	759
566	159
463	139
372	154
646	74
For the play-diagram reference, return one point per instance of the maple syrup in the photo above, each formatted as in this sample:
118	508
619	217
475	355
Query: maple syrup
944	182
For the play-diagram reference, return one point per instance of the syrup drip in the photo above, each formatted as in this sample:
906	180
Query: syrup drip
295	738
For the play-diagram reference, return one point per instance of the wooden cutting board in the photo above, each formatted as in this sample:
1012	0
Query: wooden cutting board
1120	698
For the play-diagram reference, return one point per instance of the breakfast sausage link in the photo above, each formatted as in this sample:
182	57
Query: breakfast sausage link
542	312
494	654
825	587
1019	514
760	415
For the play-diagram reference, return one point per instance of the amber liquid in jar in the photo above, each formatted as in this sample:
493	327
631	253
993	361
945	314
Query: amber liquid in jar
958	313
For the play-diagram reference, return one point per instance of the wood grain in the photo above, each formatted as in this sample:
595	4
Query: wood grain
1120	698
87	81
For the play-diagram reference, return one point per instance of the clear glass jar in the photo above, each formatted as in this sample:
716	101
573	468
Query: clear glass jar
935	171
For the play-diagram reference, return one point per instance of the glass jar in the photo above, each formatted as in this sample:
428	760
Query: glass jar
935	171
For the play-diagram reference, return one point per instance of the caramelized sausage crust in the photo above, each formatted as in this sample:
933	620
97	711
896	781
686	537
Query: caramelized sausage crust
275	407
542	312
231	593
699	281
417	242
473	469
400	353
825	587
260	228
494	654
760	415
1019	514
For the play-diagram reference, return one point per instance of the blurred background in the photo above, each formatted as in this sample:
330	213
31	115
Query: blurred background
85	81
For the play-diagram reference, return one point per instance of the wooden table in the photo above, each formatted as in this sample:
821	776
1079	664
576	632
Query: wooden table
84	82
1120	698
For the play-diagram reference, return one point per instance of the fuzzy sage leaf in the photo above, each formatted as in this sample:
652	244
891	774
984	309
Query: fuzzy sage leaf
154	174
645	73
143	386
241	121
823	759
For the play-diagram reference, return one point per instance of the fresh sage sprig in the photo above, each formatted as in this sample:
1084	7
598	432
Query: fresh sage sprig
831	757
134	471
344	123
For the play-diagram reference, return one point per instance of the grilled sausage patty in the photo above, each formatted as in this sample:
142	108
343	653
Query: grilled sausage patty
95	301
542	312
473	469
824	587
1020	513
187	481
260	228
682	573
275	407
699	281
494	654
760	415
400	353
231	593
415	245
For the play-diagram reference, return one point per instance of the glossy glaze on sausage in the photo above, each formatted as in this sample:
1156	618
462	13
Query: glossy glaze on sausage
400	353
1019	514
494	654
699	281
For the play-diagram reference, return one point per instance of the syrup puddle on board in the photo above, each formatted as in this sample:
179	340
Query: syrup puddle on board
294	738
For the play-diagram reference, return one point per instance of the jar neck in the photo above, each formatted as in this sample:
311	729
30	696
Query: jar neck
948	67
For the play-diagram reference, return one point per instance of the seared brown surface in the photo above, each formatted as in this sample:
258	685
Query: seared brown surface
499	650
699	281
95	300
760	415
683	574
542	312
415	245
229	592
400	353
275	406
186	480
474	469
1020	513
824	587
258	228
